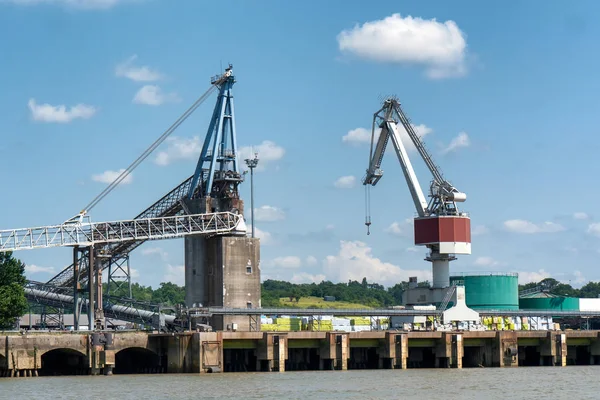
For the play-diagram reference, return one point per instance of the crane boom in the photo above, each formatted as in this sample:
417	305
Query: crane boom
435	171
389	131
443	195
439	225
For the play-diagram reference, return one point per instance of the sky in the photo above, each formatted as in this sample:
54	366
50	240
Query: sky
503	95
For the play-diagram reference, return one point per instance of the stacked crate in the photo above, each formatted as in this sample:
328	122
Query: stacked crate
360	324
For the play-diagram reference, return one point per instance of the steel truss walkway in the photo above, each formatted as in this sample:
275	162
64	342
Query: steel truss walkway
95	233
57	293
169	205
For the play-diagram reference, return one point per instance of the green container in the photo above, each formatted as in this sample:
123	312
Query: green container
549	303
495	291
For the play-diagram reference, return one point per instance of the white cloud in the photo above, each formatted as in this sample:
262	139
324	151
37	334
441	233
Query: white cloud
311	261
286	262
34	269
134	273
79	4
439	47
179	148
357	136
154	96
268	152
361	136
395	229
523	226
355	261
150	251
110	176
400	228
175	274
460	141
486	262
581	215
479	230
345	182
126	69
594	229
265	237
49	113
532	276
304	277
412	249
268	214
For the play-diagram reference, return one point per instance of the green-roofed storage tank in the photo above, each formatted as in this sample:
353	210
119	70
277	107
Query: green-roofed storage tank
549	303
491	291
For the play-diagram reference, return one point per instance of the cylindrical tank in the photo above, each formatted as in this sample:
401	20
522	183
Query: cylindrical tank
549	303
491	291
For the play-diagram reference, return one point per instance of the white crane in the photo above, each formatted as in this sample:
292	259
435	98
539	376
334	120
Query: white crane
440	226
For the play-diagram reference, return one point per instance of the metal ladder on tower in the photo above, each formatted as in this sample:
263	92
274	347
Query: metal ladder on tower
444	304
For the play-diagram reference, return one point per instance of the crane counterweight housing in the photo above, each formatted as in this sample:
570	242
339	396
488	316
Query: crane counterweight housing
440	225
452	234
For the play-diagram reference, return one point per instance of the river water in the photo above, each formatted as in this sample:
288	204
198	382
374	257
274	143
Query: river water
573	382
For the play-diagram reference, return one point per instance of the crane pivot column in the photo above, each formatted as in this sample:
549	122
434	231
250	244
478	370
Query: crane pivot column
221	271
439	226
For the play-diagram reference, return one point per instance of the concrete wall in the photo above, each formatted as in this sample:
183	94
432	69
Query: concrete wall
198	352
223	271
240	255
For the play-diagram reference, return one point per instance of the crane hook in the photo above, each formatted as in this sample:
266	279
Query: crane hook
368	227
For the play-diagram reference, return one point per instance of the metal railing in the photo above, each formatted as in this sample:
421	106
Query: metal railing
87	234
484	273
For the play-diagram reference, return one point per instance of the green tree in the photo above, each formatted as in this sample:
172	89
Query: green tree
397	290
13	303
169	294
590	290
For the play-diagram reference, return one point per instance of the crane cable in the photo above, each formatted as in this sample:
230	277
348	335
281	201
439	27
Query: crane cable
368	186
368	208
152	147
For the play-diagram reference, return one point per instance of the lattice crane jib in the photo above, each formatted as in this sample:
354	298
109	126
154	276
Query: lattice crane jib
217	176
440	226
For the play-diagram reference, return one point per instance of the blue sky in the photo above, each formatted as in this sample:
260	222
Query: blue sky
505	96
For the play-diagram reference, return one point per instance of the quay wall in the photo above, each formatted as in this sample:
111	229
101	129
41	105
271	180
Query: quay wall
92	353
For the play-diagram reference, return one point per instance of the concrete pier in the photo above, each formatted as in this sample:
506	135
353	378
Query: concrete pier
223	271
66	353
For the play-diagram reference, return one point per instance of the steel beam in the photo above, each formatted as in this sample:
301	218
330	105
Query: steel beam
89	234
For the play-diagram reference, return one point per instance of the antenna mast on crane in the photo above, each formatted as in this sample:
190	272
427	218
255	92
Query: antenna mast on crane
439	226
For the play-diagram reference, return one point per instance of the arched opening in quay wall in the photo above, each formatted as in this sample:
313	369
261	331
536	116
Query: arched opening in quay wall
302	359
3	366
64	362
239	360
474	357
579	355
137	360
363	358
421	357
530	356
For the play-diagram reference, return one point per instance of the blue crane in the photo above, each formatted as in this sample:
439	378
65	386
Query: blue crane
217	174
